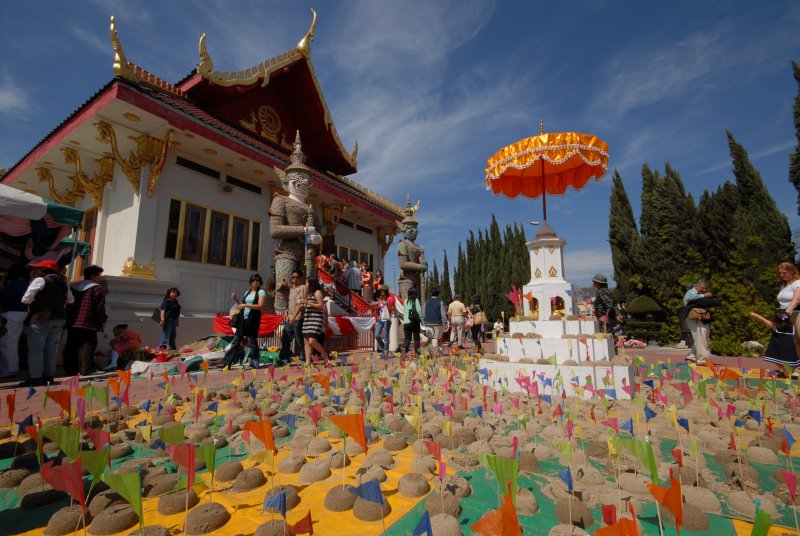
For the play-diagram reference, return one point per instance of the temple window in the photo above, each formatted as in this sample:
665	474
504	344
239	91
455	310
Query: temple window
200	234
351	254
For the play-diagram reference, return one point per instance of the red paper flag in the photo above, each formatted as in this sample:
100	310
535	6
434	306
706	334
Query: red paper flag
324	380
304	526
500	522
678	455
63	398
591	415
198	404
732	442
99	438
263	431
125	376
609	513
352	425
729	374
612	423
558	412
791	482
315	413
66	477
670	498
184	455
10	403
623	527
435	448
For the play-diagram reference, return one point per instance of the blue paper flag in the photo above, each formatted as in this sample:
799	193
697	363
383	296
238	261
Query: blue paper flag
31	392
145	406
368	433
158	444
484	373
424	527
566	476
611	393
546	398
253	393
277	501
755	414
648	413
28	421
336	399
369	491
160	407
789	438
627	426
290	421
478	410
368	394
310	393
650	383
684	423
118	400
214	406
388	391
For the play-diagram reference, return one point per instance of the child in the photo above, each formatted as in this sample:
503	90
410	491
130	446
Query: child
780	349
125	340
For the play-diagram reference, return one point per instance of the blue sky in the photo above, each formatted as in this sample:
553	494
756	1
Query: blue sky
431	89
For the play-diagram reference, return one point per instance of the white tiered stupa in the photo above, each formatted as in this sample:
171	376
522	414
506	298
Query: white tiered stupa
550	329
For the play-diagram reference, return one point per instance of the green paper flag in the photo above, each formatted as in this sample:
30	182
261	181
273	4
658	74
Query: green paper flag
565	448
506	471
642	451
94	462
207	453
129	487
172	435
66	437
761	524
101	395
693	448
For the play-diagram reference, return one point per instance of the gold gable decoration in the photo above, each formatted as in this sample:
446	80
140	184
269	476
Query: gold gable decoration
149	151
552	272
139	271
96	185
65	197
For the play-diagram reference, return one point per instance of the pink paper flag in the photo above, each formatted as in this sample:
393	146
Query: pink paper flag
791	482
515	445
569	430
612	423
498	408
442	471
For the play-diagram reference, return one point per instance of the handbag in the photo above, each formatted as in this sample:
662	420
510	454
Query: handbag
156	316
698	313
479	317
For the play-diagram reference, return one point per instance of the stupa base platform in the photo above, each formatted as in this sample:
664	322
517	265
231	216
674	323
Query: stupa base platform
614	381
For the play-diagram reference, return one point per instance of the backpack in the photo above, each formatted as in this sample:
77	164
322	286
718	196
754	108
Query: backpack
413	314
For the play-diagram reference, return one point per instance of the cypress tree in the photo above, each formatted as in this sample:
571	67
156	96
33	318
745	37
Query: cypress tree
761	232
623	237
447	291
794	158
716	232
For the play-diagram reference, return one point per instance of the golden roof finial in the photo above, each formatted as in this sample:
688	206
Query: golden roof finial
541	126
120	61
206	64
304	46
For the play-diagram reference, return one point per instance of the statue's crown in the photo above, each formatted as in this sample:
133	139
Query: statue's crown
410	212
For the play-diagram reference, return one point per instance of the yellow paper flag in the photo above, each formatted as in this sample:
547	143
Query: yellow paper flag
447	428
672	414
146	432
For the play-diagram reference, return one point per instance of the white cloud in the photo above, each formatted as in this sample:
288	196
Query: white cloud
581	265
102	46
13	100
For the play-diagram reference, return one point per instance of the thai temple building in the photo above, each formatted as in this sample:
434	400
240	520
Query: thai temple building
176	181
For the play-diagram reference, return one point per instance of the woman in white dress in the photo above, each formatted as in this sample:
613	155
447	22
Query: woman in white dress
789	296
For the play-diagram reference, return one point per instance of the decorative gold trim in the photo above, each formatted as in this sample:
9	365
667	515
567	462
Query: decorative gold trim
96	185
68	196
377	199
304	45
535	251
210	151
139	271
331	216
385	238
552	272
538	273
149	151
121	67
131	117
551	249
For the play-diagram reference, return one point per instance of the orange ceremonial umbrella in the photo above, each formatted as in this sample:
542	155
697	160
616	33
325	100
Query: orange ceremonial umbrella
546	164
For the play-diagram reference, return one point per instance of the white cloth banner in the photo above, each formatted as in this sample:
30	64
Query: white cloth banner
348	325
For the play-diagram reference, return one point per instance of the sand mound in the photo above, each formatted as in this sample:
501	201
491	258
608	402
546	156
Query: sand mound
65	520
314	471
292	499
744	503
762	455
249	479
276	527
567	530
337	458
291	464
634	483
744	471
528	462
13	477
694	519
527	504
413	485
103	500
35	499
437	501
380	457
173	503
152	530
372	472
318	446
228	471
114	519
395	443
370	511
581	515
423	464
445	525
352	448
159	484
458	486
340	498
206	517
705	499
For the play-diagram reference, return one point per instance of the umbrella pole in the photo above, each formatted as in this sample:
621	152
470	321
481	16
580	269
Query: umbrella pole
544	193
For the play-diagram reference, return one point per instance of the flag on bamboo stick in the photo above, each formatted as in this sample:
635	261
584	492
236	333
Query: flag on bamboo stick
184	455
263	431
566	476
304	526
623	527
506	471
11	406
94	462
208	453
369	491
66	437
670	498
99	438
127	485
791	482
67	477
62	397
352	425
100	394
609	513
435	448
277	503
423	527
761	523
500	522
